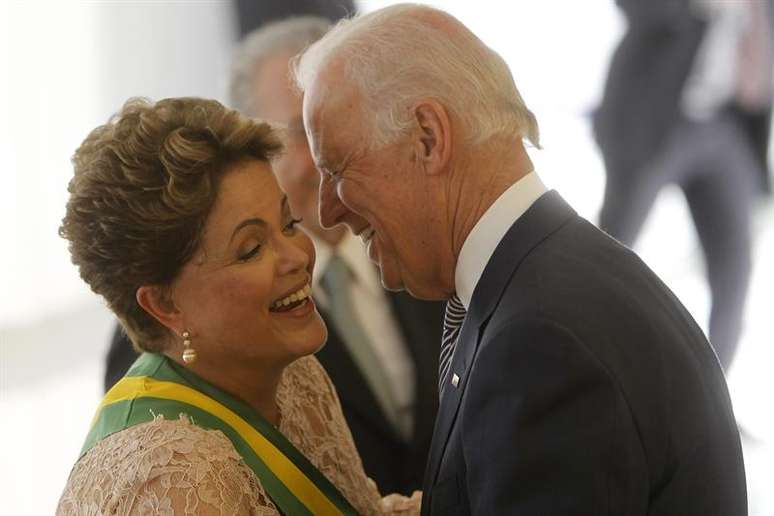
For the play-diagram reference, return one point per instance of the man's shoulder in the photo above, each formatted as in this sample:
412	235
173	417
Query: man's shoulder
576	262
601	292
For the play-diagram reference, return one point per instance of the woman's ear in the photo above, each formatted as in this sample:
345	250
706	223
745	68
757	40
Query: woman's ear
434	139
155	300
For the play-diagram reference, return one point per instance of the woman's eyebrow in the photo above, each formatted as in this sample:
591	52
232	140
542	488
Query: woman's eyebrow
255	221
248	222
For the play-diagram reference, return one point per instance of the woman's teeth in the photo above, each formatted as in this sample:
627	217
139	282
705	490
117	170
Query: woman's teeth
293	298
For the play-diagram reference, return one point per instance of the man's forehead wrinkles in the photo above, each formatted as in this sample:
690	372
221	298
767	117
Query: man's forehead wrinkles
326	115
321	147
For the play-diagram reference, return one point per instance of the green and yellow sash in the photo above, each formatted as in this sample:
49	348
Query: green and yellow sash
156	385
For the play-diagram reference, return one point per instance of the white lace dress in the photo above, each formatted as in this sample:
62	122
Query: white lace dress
175	467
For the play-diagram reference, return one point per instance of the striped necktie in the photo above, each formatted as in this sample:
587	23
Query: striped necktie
452	322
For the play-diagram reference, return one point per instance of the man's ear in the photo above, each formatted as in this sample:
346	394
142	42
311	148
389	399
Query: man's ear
435	138
155	300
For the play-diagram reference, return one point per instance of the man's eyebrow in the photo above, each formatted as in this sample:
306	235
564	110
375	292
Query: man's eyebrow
248	222
333	163
324	164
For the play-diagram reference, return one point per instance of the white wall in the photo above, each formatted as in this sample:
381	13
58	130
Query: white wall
65	67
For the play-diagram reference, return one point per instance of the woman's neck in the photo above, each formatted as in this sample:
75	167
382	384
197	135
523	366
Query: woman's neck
256	386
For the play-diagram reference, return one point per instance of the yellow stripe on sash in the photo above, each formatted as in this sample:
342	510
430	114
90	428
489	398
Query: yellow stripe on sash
288	473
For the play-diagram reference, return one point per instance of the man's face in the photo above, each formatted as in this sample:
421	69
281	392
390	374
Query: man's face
280	103
381	195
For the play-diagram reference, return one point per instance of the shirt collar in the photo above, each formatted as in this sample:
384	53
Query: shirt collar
485	236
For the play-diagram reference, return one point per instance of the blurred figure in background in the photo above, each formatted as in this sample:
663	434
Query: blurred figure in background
753	103
377	352
666	118
252	15
120	356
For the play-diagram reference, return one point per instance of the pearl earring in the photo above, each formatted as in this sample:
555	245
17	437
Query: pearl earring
189	353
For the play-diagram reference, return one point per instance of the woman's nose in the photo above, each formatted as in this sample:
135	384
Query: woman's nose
293	255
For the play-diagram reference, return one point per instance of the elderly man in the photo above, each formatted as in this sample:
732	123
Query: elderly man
572	381
380	352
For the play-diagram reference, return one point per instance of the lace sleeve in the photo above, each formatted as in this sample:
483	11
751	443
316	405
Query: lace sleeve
313	421
217	493
164	467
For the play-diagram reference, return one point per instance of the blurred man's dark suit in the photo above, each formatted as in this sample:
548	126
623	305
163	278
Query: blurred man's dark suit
649	138
647	74
395	464
583	387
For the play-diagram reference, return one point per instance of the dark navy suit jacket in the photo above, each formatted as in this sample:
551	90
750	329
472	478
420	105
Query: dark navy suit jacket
585	388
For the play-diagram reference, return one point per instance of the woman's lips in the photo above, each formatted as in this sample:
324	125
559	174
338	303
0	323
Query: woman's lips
291	298
302	309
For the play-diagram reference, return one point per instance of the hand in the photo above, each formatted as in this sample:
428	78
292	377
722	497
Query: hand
397	504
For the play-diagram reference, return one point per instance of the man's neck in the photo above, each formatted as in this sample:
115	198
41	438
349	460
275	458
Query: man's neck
477	183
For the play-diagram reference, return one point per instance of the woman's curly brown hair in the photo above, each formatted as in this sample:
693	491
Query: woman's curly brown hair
143	187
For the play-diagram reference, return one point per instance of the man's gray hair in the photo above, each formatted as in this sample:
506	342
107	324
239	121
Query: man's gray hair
289	35
394	57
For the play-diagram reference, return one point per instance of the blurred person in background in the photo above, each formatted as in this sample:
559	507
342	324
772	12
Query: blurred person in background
176	219
572	381
377	353
753	101
666	117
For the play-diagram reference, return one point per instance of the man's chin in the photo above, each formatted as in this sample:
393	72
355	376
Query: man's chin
417	290
391	282
396	288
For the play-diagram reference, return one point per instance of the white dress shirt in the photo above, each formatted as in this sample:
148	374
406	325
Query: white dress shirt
373	310
486	235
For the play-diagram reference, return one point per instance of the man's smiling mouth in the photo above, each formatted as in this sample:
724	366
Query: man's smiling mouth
367	234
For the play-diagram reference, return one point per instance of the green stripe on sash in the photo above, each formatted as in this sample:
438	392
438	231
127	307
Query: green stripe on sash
155	385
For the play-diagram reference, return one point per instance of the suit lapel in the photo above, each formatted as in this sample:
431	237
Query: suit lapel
544	217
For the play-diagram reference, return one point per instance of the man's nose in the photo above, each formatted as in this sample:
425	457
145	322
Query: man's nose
331	208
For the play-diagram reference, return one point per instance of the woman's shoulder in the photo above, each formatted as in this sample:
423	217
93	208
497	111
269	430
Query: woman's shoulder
180	435
158	443
163	464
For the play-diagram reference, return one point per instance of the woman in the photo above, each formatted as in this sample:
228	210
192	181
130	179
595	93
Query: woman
176	219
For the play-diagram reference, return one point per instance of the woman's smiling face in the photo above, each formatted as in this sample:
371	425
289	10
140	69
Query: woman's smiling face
245	294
